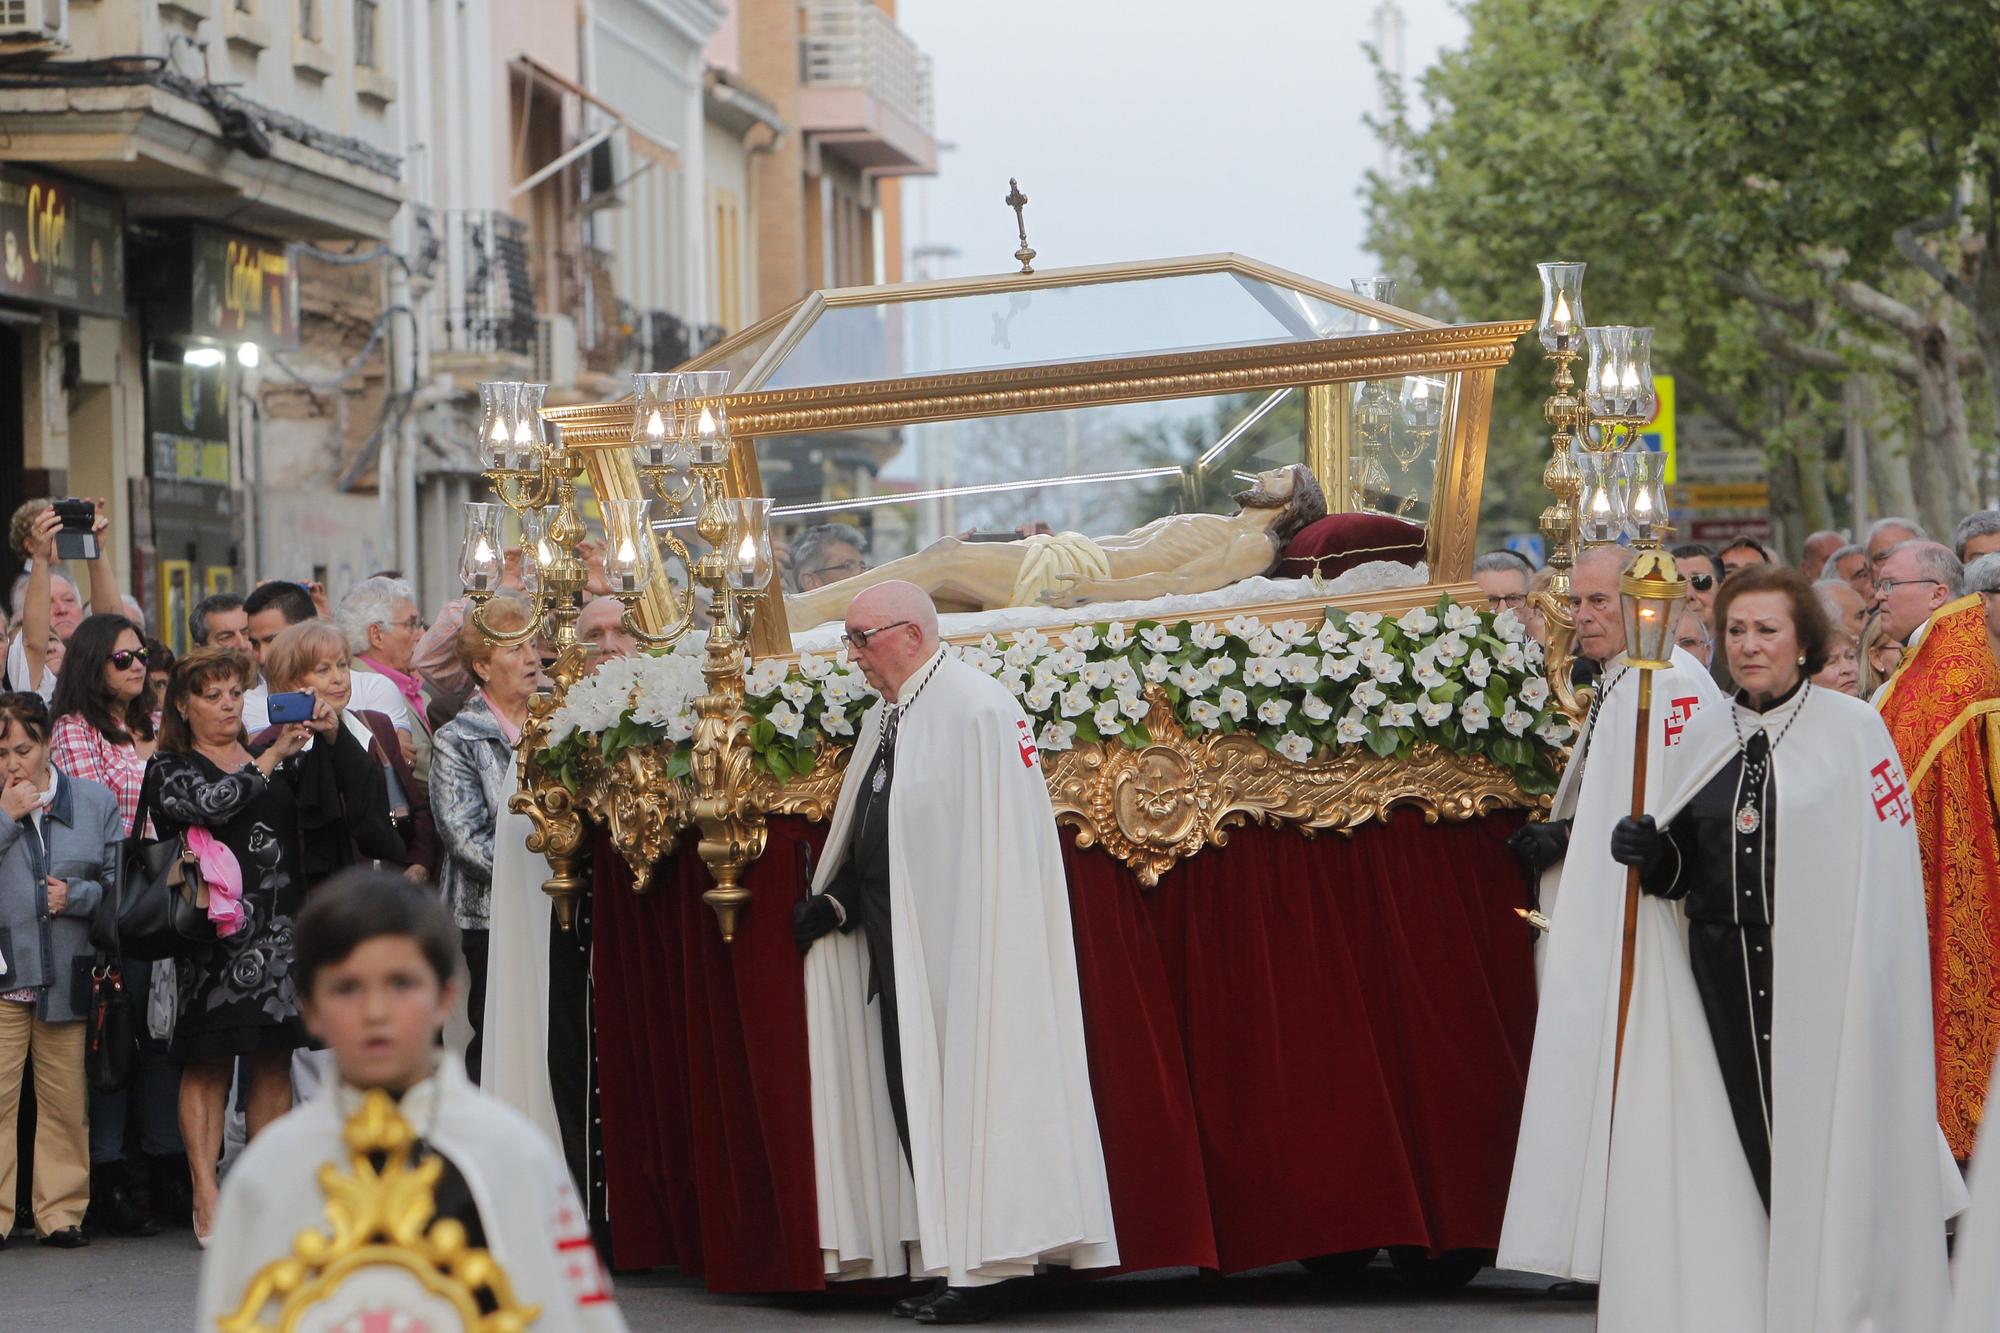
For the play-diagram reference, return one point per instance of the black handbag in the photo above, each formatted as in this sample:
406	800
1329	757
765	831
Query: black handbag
162	901
112	1045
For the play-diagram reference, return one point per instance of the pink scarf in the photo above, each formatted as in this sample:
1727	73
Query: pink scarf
224	879
410	687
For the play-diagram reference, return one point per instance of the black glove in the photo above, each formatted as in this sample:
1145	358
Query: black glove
1540	845
811	918
1635	842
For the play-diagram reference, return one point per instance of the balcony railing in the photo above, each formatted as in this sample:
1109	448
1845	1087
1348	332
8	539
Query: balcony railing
853	44
484	302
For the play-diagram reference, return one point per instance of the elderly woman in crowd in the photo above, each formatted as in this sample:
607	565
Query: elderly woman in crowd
237	996
357	800
472	775
105	727
1880	655
59	841
383	627
48	606
1842	672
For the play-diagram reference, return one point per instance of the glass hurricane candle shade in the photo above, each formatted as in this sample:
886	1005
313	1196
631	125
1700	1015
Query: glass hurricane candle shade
1423	402
1603	504
1646	494
539	552
480	562
1619	384
496	422
749	557
530	437
657	400
628	544
1562	321
705	417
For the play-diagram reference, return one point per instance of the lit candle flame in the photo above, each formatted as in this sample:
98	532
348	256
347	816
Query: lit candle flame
1420	391
1560	317
746	554
656	426
706	426
1642	500
1600	502
1628	379
628	552
499	431
523	433
482	553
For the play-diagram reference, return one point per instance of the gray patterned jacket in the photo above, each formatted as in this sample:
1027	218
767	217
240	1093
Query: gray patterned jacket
472	775
80	841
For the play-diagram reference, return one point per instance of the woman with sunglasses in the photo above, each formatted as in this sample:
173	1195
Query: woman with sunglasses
105	730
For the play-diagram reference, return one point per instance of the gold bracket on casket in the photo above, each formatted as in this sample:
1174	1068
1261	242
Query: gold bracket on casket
1155	806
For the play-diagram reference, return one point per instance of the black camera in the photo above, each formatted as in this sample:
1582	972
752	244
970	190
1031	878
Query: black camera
77	539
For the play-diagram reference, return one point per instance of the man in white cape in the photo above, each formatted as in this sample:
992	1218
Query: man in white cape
1555	1205
1861	1180
940	905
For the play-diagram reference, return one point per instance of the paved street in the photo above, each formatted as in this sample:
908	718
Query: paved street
148	1286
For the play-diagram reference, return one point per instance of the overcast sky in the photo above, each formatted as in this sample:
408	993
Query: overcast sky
1147	128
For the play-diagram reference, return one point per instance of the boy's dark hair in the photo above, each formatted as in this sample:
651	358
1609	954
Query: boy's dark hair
359	905
289	598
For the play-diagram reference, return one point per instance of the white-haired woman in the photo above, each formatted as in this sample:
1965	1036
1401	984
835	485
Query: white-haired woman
379	616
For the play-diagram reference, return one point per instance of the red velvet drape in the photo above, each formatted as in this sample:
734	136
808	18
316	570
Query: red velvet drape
1297	1046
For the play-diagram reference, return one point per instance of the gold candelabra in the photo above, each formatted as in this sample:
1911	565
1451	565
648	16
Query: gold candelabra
1561	330
681	451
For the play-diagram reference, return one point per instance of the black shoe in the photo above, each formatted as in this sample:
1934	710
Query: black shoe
961	1305
1573	1291
172	1191
69	1238
910	1306
122	1215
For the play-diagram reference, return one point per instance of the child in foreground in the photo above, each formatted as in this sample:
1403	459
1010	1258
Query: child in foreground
375	958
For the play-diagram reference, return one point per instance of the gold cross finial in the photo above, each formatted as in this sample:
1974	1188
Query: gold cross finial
1018	201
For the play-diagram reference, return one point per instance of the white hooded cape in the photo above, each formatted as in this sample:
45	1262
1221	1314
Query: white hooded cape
1009	1170
1555	1206
1861	1182
535	1227
514	1059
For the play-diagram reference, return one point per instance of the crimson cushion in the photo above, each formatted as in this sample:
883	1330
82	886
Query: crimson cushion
1339	542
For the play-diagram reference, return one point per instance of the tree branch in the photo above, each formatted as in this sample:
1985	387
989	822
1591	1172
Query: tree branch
1755	292
1858	298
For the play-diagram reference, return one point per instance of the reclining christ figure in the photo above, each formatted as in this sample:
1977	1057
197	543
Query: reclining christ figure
1181	553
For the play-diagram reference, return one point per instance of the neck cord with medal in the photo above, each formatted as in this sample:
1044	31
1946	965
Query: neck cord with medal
886	747
1590	719
1756	772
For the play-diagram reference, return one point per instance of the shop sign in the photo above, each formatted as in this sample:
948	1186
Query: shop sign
61	244
244	289
187	418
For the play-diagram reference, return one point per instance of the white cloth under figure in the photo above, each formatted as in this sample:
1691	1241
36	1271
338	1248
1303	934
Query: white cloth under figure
1861	1180
1555	1206
514	1060
1975	1257
534	1226
1009	1169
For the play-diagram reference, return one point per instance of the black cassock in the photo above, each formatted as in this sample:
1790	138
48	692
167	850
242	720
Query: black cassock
1720	863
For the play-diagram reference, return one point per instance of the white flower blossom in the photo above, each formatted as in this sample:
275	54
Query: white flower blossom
1242	627
797	693
833	722
1107	718
1156	669
1082	638
1330	636
1123	678
1449	648
1350	730
1066	661
1033	640
1398	715
1434	711
988	643
1555	731
1365	623
1428	676
1515	721
1234	702
1294	747
1015	681
1509	627
1135	707
764	678
1478	669
1095	675
1264	671
1534	653
787	719
1315	708
1512	658
1461	619
1417	622
1290	632
1018	657
1388	669
813	667
1191	678
1057	736
1274	712
1206	637
680	728
1160	639
1041	696
1474	713
1265	644
1219	666
1075	701
1302	669
1535	691
1205	714
1116	637
1340	668
1368	694
977	658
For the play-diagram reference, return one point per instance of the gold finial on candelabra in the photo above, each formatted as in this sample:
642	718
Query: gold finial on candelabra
1018	201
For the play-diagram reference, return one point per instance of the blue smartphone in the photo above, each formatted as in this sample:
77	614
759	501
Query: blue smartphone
293	706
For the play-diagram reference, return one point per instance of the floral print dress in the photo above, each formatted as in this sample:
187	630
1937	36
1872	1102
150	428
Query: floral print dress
238	996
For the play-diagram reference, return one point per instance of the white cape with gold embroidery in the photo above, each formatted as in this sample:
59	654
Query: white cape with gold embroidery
535	1228
1861	1180
1555	1206
1009	1169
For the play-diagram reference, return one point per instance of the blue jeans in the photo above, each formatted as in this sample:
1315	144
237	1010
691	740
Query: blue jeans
148	1108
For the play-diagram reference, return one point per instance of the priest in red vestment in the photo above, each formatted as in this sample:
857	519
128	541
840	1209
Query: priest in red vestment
1942	708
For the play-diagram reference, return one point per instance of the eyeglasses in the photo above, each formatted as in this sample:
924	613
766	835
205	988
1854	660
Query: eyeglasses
845	569
125	657
860	638
1508	601
413	623
1701	582
1886	586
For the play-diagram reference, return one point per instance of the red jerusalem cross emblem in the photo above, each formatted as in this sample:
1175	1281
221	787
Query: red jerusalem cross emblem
1892	798
1677	718
1027	738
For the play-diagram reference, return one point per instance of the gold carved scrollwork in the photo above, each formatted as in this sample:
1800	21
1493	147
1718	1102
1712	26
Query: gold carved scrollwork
558	831
1154	807
641	807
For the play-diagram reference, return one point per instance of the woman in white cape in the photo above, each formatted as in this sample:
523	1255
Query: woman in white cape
1777	1045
